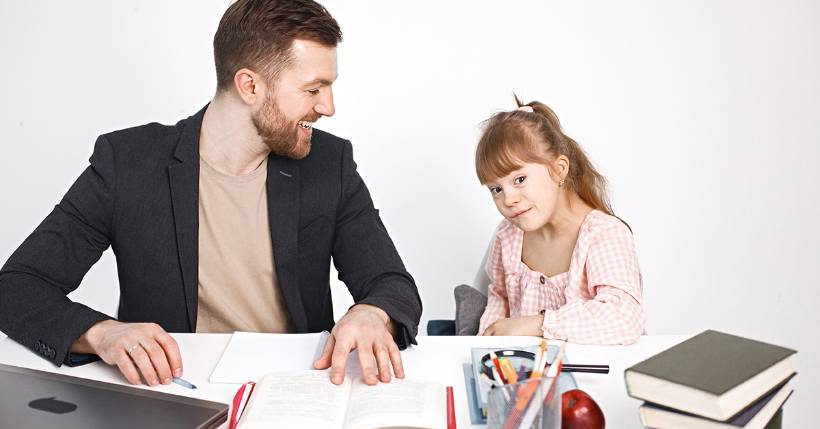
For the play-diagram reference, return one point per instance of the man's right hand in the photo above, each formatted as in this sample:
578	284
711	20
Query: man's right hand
138	349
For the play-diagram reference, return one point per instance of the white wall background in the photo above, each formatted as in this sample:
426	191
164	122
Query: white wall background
705	117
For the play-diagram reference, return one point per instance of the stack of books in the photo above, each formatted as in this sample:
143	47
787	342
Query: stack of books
713	381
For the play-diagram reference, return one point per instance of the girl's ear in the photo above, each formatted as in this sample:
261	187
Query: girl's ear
561	167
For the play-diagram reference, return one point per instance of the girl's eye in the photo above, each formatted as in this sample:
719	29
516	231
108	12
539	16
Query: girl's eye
495	189
519	180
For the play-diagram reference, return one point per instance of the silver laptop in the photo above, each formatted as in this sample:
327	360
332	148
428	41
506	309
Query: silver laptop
37	399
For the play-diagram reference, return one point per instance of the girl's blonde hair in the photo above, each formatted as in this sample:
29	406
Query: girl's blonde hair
513	138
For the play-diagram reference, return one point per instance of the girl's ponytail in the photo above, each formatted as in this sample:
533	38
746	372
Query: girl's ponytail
583	177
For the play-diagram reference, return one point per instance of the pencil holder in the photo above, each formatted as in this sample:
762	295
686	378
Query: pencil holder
532	403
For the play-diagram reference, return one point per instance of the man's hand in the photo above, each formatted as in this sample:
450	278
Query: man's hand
527	325
365	328
131	347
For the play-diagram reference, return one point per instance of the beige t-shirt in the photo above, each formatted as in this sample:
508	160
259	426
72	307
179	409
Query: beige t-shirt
238	288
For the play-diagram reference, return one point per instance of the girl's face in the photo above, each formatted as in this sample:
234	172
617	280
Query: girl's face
527	197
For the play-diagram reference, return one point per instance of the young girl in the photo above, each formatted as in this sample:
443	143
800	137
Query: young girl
562	265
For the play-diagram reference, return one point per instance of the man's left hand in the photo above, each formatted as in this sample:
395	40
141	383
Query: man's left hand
365	328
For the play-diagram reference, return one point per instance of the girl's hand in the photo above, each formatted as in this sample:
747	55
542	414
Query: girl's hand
527	325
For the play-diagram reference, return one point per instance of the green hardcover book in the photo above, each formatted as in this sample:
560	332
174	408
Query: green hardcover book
712	374
777	421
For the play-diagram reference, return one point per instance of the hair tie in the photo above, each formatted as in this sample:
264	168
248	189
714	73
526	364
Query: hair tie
526	108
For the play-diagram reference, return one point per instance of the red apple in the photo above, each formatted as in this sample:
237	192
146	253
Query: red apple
580	411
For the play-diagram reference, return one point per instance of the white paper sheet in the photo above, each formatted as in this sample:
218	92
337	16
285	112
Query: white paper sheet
251	355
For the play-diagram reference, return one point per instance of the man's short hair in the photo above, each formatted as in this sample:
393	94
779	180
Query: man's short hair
258	34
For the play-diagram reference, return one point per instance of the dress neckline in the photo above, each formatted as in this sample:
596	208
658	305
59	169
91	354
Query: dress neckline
555	277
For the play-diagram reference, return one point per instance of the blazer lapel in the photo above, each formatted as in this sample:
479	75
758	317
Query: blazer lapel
184	180
283	216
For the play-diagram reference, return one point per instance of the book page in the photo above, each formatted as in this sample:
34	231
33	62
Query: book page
297	399
399	403
251	355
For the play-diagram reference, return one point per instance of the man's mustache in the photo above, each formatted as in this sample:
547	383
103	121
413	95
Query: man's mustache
311	118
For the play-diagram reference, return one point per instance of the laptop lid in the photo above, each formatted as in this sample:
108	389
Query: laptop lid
38	399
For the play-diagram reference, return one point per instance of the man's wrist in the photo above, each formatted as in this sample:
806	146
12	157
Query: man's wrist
88	340
389	323
368	307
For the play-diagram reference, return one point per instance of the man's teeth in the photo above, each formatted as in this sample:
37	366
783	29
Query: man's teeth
305	124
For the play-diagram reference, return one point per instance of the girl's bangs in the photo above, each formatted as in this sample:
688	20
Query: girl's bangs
500	153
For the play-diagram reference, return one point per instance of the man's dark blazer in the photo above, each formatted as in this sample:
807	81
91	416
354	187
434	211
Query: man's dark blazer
140	196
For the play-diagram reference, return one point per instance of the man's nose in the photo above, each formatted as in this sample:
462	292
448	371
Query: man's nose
325	106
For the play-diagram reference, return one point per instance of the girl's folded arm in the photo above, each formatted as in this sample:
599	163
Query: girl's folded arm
614	314
612	317
498	305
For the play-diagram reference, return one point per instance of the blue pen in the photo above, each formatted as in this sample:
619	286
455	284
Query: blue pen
183	383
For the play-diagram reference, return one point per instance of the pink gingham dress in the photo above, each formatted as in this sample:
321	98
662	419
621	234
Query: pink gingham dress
597	301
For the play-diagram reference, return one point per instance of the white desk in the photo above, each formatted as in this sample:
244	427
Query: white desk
434	357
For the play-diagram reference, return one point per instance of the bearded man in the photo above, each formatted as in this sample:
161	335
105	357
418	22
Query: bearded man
226	221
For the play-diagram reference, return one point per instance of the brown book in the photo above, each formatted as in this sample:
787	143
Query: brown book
712	374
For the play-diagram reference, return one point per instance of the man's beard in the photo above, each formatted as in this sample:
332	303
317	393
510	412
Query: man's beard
281	136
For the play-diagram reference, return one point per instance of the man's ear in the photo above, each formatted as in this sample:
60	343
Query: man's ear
249	85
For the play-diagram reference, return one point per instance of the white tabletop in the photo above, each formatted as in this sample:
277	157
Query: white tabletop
440	358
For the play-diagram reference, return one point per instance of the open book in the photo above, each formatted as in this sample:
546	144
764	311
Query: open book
309	399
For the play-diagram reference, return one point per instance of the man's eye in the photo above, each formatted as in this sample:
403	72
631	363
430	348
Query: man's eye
313	91
519	180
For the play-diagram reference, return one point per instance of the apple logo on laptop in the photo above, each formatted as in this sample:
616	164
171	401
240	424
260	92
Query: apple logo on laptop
52	405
